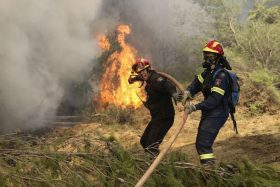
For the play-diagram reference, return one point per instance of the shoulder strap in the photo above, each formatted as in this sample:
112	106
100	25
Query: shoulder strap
218	71
234	122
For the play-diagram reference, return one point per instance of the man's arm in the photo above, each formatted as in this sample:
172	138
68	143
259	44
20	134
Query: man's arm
196	84
217	93
164	85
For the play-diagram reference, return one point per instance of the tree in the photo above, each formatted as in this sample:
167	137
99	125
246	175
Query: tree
259	40
225	15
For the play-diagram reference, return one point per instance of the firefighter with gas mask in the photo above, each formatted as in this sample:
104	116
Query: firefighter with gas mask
159	102
213	82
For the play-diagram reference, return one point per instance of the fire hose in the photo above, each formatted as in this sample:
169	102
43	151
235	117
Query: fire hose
162	153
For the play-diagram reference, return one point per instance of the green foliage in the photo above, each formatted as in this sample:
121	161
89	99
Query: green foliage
266	78
259	40
256	52
3	180
117	166
260	43
126	167
262	13
87	144
224	14
257	107
258	92
250	175
262	76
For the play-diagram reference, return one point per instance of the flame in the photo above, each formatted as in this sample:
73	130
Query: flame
103	42
114	86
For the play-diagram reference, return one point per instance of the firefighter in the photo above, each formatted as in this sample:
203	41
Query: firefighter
213	82
159	102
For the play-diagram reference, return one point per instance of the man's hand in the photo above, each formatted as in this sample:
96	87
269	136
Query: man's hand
187	96
189	108
134	78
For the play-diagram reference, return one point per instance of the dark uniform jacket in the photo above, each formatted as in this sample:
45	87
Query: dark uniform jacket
159	91
215	90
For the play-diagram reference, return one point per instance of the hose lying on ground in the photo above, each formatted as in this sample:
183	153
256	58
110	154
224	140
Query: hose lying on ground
162	153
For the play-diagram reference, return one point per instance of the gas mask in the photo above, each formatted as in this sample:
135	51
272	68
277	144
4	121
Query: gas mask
135	78
207	63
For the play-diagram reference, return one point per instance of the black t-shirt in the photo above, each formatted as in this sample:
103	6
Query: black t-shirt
159	91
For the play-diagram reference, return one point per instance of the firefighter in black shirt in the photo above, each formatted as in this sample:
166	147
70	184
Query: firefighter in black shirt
159	102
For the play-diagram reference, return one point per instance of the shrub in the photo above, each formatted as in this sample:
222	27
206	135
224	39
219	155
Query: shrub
259	40
266	78
110	115
275	94
262	76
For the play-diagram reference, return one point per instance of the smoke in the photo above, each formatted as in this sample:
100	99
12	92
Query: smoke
159	27
44	46
248	5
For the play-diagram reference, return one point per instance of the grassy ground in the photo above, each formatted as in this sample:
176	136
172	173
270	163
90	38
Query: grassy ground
82	156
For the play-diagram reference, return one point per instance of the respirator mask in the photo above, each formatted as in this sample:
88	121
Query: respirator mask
210	60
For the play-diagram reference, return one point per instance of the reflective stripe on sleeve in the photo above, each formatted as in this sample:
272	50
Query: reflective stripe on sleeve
200	78
218	90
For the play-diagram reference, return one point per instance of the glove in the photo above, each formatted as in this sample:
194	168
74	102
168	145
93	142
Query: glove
177	96
134	78
187	96
190	108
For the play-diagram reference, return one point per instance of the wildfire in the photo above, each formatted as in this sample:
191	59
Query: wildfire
114	87
103	42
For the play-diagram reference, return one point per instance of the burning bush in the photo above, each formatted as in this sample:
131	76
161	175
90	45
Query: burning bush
120	56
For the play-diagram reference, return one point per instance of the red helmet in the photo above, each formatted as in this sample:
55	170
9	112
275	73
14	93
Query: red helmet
214	47
140	64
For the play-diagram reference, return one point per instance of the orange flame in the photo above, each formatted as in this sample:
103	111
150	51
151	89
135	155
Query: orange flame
114	86
103	42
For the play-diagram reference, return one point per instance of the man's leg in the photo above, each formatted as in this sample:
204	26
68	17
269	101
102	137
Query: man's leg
145	135
207	132
163	127
154	134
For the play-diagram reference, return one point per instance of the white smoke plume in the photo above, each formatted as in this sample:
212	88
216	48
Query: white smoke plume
44	46
159	27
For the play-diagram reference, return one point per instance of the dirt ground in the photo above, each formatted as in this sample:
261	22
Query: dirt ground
258	138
